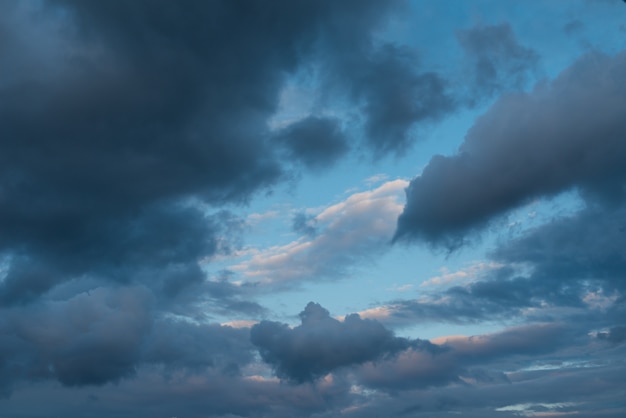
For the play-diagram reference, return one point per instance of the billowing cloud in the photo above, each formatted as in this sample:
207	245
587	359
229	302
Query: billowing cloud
322	344
565	133
105	335
151	109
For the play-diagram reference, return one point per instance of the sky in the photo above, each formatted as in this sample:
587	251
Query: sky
313	208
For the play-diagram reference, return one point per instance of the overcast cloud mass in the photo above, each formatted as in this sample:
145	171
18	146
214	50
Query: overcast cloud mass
312	208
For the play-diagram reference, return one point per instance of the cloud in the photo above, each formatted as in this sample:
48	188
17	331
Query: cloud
304	224
559	257
158	246
138	110
106	335
345	233
393	94
496	60
124	129
322	344
466	274
90	339
564	134
315	142
151	394
561	390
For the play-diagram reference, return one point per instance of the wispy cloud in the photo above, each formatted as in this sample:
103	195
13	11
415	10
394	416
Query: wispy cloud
349	233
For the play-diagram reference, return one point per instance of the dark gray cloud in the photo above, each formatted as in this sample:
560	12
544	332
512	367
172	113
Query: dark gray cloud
180	346
566	133
315	142
106	335
159	246
124	127
393	93
150	107
559	270
496	60
560	389
151	395
322	344
90	339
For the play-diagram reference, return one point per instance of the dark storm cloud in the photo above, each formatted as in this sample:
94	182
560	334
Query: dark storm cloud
150	105
314	142
322	344
565	133
497	61
159	246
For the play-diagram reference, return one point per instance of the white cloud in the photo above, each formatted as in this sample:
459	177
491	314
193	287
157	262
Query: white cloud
462	276
349	233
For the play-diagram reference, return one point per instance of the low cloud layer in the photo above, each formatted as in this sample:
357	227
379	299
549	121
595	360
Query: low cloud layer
106	335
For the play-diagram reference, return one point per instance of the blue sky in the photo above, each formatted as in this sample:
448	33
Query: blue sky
316	208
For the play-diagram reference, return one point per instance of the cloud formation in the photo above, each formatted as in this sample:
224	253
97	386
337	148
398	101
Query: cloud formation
315	142
496	60
565	133
105	335
322	344
136	137
334	241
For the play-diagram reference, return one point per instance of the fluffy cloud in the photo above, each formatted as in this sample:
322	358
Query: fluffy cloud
322	344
